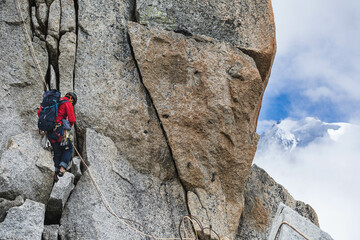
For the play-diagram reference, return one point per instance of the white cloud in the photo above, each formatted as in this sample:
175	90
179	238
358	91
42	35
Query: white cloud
324	174
315	94
318	51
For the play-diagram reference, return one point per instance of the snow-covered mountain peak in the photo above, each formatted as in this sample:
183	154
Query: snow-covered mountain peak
289	134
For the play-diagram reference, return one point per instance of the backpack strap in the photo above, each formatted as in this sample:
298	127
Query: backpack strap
58	105
63	101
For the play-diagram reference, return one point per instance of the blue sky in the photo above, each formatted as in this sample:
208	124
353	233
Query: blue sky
316	71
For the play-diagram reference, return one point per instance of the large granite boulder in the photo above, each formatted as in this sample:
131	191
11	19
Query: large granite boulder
24	222
262	198
26	169
206	95
157	205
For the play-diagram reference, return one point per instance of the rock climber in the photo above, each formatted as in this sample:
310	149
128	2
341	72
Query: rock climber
60	137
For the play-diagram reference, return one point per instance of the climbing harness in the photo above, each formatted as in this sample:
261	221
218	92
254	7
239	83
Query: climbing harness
292	227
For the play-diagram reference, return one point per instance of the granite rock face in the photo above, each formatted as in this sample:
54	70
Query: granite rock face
24	222
155	203
67	50
247	24
20	84
301	224
262	198
26	169
206	106
67	23
117	105
54	19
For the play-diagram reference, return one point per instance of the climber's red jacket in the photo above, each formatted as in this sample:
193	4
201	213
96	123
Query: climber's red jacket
66	111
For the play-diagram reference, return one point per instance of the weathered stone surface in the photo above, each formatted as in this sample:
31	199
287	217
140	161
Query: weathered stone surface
42	14
19	78
62	233
58	197
35	23
52	44
67	50
26	168
61	190
247	24
24	222
117	104
7	204
207	115
67	22
262	198
51	232
156	204
303	225
54	19
76	168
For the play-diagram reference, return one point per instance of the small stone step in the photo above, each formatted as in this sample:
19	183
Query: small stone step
58	197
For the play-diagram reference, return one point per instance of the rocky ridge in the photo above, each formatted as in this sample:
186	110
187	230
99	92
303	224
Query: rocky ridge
169	96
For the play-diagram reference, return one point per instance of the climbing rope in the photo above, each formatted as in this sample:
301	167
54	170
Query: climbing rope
32	51
294	228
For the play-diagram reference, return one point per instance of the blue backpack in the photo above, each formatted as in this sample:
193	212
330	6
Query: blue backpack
49	110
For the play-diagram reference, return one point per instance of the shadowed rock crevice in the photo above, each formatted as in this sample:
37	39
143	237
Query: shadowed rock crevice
132	10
